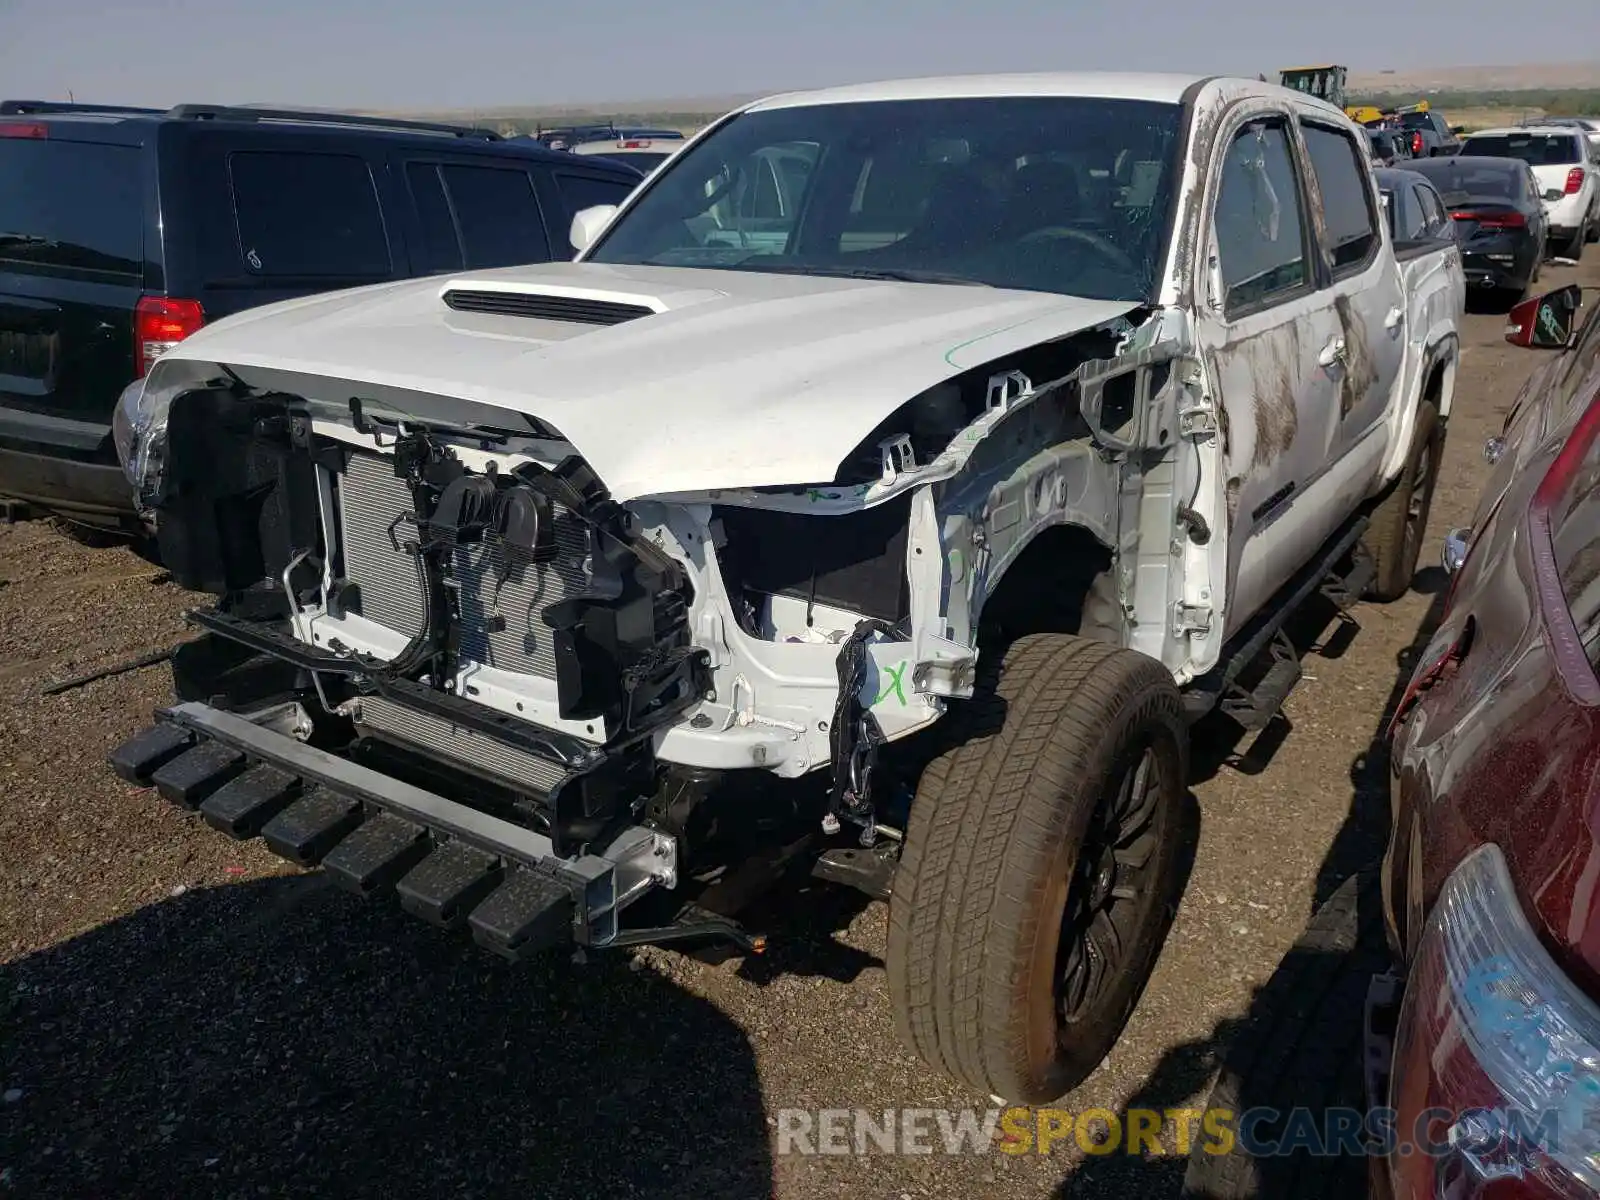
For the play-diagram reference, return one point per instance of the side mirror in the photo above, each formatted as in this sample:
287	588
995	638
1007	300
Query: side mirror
588	224
1545	322
1457	130
1553	194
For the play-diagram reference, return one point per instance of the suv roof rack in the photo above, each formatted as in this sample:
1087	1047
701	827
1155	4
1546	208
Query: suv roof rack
601	131
30	108
602	128
229	112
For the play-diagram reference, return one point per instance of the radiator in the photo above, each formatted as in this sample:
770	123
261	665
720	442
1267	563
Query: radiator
478	752
372	499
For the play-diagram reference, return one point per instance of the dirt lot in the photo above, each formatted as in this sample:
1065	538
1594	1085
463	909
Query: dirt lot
185	1016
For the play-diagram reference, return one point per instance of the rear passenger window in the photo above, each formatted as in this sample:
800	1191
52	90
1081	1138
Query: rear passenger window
1347	208
307	214
496	215
1260	225
438	247
579	192
70	208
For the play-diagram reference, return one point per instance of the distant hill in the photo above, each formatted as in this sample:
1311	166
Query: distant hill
690	112
1527	77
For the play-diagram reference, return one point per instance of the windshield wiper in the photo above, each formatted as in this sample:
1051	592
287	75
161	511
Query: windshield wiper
888	274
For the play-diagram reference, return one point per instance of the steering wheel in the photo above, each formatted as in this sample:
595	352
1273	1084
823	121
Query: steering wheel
1094	241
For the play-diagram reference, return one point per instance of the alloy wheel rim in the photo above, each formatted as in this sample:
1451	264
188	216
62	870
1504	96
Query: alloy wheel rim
1113	878
1417	502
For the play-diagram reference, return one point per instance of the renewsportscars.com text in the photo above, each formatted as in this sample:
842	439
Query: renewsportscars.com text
1259	1132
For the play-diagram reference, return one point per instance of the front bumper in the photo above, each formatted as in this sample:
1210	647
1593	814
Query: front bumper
251	775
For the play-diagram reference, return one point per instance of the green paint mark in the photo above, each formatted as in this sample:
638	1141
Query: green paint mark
896	684
814	495
972	341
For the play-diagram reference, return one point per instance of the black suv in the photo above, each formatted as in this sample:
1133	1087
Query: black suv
123	230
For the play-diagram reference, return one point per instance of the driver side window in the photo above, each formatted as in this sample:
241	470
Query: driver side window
1260	221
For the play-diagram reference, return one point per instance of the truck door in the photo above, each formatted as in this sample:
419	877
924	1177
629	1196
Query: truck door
1260	313
1362	332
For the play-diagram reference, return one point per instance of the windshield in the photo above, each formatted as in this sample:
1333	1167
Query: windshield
1416	120
1535	149
1457	180
1056	194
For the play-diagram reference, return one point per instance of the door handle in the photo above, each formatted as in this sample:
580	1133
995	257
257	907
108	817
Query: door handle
1332	353
1395	319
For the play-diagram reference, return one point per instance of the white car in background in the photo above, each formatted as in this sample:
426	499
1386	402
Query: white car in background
1563	161
644	154
1589	125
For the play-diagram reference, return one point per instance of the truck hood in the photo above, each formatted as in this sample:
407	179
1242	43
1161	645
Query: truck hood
732	379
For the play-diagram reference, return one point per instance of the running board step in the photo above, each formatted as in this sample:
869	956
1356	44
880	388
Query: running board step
1256	707
1345	588
1326	574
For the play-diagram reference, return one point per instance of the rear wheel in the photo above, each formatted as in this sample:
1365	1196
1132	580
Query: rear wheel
1394	537
1035	885
1580	239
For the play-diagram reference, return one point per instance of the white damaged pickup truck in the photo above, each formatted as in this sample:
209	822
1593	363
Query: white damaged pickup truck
883	491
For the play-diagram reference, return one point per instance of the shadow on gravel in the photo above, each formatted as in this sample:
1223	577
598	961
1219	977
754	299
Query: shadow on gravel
280	1037
1314	995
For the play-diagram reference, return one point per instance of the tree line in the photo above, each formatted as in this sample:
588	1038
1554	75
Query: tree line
1559	102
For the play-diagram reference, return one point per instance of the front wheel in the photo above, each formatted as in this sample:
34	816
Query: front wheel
1035	885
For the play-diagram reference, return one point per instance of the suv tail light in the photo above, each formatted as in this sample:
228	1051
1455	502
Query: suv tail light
159	324
29	129
1575	181
1416	144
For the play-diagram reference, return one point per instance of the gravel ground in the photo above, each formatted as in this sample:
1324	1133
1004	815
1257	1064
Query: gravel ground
181	1015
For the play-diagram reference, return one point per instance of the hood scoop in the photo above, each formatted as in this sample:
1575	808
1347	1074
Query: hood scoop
579	308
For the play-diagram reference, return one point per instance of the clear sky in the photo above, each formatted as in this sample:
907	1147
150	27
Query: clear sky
456	54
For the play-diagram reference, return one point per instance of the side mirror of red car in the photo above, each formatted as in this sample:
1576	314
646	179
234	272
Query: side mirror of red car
1545	322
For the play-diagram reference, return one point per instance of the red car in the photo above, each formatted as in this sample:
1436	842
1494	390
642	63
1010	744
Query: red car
1491	883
